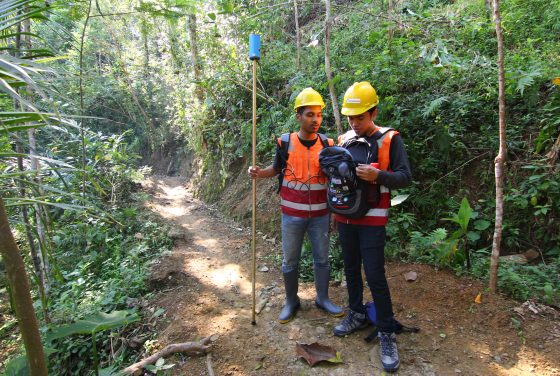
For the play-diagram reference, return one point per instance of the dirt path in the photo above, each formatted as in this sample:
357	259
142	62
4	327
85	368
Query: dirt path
205	288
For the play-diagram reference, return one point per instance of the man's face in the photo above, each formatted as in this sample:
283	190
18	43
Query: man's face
311	118
362	124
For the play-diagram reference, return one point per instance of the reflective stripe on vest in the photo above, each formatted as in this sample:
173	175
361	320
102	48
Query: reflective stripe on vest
306	207
304	188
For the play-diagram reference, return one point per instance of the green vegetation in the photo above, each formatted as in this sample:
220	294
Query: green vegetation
160	82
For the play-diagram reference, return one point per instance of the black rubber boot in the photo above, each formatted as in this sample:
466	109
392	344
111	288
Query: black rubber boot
322	287
292	301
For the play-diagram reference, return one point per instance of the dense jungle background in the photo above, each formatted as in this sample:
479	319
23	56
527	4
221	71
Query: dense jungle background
99	95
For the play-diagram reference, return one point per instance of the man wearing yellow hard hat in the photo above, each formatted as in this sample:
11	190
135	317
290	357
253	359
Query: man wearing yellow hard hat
303	202
363	239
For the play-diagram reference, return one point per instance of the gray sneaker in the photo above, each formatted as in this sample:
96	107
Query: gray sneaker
388	351
352	322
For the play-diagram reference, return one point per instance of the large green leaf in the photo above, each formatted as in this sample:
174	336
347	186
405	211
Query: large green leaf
464	214
399	199
481	224
19	366
95	323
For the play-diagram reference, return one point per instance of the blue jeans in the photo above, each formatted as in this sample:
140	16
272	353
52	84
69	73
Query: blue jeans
293	231
366	244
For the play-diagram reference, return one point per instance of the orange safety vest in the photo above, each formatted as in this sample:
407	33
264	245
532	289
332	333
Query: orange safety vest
377	215
304	186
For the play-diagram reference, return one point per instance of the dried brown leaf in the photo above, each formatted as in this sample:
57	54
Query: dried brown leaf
314	353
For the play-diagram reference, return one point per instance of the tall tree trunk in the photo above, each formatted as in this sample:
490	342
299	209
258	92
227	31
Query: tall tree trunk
197	66
19	285
488	6
328	70
40	216
36	256
197	69
500	159
172	33
131	90
144	32
146	71
82	120
34	253
298	40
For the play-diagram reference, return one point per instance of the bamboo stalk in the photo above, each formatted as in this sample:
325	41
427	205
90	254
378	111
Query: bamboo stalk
254	214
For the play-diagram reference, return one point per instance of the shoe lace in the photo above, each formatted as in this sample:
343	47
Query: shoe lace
350	319
387	345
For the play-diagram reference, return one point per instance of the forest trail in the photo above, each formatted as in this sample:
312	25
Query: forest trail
204	285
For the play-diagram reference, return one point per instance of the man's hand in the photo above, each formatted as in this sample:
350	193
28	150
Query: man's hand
254	172
367	172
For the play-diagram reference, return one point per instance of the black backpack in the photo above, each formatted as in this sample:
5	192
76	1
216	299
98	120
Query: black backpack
346	193
283	149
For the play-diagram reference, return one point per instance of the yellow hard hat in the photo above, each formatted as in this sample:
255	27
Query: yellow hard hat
309	97
359	98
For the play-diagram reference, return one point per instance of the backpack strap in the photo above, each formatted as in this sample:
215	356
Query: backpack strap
283	144
325	140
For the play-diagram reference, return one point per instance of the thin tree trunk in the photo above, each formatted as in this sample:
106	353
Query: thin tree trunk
146	55
36	167
328	70
144	32
197	67
19	285
488	6
172	32
131	91
36	256
34	253
298	40
146	71
500	159
82	126
40	217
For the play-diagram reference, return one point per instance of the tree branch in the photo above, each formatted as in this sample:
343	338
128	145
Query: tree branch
186	347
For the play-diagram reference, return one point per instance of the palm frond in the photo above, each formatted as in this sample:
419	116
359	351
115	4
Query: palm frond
14	11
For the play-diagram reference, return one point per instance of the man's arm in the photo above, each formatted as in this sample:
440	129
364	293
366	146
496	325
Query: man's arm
400	176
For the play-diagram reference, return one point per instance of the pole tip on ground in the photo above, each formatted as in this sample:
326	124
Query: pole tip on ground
253	322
